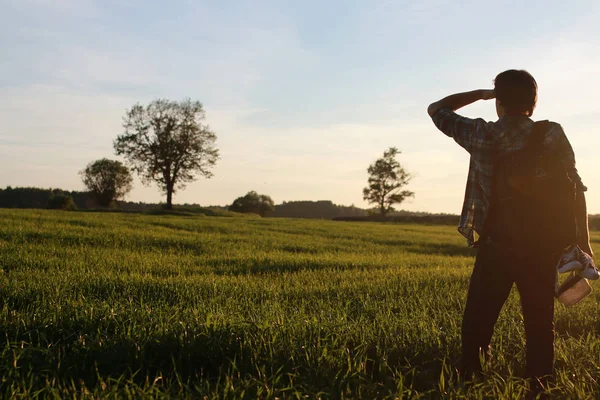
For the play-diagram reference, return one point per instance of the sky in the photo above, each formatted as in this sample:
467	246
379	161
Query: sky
303	96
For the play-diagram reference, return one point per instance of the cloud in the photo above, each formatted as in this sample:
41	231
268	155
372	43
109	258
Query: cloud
301	103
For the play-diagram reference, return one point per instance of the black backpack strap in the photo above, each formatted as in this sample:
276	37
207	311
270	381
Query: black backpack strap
540	128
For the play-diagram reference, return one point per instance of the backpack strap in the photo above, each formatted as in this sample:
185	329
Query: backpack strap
540	128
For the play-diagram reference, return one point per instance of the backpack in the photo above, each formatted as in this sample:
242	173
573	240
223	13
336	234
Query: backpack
533	199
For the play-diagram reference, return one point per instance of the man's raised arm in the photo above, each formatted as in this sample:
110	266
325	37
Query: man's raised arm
460	100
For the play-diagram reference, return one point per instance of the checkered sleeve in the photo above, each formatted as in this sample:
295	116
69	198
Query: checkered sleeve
471	134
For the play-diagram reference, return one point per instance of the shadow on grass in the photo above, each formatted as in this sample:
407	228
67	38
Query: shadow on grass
176	210
194	228
442	249
242	356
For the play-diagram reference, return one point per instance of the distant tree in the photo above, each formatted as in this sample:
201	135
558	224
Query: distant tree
166	142
61	201
108	180
253	202
386	178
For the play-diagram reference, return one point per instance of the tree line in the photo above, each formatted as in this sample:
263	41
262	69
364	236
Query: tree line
167	143
322	209
29	197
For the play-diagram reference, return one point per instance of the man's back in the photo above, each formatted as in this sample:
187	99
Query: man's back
487	142
533	194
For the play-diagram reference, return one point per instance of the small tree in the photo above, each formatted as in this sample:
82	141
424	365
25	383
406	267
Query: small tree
108	180
61	201
253	202
166	142
386	178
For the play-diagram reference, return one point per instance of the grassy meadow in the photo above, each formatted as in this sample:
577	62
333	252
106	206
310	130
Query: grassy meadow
116	305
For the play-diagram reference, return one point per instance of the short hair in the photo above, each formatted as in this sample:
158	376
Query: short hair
516	90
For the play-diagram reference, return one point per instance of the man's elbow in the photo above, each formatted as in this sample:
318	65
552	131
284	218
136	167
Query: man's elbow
432	109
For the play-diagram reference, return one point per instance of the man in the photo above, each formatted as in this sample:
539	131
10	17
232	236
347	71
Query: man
501	262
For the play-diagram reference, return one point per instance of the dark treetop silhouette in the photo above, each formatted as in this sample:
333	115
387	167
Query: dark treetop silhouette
386	178
253	202
108	180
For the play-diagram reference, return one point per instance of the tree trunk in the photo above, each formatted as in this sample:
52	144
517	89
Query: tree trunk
169	205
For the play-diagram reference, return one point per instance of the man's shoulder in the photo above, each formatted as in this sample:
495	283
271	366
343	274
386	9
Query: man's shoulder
554	131
552	126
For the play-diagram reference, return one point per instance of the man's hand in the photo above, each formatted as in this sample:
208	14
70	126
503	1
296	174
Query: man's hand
460	100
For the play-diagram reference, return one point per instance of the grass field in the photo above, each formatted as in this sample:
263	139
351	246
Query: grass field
125	305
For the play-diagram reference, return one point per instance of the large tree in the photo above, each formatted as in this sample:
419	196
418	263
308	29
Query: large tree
108	180
253	202
166	142
386	178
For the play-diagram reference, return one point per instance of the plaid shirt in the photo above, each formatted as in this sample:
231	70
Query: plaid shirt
485	141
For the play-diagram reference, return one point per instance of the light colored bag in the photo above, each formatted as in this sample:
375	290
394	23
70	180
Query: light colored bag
573	289
580	267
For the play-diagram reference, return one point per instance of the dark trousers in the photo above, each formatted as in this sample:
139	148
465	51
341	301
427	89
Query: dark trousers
496	269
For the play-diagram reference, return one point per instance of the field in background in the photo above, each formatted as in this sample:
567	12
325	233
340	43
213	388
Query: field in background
118	305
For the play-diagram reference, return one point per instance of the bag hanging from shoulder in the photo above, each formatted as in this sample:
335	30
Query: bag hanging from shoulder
533	198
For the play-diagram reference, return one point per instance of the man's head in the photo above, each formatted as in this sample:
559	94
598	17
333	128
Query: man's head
516	93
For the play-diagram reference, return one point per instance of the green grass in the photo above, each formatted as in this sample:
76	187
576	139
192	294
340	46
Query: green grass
120	305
